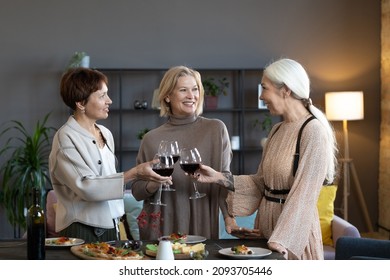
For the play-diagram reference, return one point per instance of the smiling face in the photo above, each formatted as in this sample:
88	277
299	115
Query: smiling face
184	97
273	96
98	103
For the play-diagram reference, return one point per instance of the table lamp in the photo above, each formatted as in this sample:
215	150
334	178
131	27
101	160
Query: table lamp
347	106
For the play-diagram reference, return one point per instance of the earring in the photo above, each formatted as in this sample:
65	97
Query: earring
167	100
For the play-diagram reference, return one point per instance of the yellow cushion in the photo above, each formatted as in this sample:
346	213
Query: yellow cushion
325	210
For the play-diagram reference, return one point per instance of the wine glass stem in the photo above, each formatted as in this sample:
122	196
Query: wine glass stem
195	188
159	194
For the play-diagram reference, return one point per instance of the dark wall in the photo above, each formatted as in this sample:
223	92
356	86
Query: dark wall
338	41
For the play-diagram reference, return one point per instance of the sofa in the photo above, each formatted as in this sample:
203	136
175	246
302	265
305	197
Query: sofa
339	228
353	248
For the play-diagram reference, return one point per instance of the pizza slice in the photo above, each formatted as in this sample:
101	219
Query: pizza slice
103	250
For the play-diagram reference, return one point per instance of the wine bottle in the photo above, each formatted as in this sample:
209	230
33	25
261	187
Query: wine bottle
35	229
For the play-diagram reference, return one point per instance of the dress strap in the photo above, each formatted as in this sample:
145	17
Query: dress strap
296	162
296	155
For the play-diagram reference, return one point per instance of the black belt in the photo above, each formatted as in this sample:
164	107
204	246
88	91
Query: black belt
275	199
273	191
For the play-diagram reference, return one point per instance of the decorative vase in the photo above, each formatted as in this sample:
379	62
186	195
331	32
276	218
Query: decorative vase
85	61
211	102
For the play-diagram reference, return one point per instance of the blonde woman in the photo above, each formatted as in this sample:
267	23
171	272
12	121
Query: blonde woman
181	98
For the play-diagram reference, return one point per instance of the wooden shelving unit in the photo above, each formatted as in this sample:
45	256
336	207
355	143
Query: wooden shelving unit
238	110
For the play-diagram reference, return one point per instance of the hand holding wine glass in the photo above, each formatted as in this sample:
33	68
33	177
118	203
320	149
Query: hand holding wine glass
163	167
189	161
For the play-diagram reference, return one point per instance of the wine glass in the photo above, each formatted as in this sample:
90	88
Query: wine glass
174	151
164	168
169	148
189	162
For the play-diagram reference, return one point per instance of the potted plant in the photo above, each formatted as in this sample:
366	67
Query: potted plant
265	125
212	89
78	59
142	132
25	167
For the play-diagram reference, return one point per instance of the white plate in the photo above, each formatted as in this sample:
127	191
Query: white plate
257	253
191	239
49	242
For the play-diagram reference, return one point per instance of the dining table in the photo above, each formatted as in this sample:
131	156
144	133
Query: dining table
16	249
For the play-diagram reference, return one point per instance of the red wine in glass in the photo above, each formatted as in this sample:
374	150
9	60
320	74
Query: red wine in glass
175	158
164	168
190	168
189	161
163	171
168	150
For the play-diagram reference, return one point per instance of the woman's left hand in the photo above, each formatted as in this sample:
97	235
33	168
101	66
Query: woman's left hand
278	248
245	233
206	174
240	232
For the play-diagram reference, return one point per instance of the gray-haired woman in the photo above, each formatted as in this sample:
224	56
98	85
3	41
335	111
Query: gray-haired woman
286	187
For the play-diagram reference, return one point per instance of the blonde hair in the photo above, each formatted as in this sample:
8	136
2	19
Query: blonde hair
168	84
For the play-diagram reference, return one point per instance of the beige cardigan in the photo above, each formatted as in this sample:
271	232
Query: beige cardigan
76	174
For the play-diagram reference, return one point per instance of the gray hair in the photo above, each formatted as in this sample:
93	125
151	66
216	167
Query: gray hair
290	73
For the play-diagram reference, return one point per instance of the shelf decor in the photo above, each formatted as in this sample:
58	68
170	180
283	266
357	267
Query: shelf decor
78	59
237	87
212	89
265	125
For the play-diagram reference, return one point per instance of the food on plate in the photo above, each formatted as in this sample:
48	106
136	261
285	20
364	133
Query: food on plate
242	250
105	251
61	241
177	248
178	237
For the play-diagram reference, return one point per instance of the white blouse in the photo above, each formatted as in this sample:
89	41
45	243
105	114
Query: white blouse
116	206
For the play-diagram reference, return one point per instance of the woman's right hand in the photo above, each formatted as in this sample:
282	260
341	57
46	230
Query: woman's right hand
145	172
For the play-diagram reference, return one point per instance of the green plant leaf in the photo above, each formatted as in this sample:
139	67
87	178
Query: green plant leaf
25	167
75	60
265	124
215	87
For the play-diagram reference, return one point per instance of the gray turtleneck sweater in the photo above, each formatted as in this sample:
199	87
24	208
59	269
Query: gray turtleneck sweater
193	217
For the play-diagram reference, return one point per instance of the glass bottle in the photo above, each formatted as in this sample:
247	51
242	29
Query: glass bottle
36	229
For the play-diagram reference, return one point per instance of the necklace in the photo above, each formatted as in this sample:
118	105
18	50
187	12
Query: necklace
99	137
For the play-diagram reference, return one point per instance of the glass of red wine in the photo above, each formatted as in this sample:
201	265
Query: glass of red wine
169	148
189	161
164	168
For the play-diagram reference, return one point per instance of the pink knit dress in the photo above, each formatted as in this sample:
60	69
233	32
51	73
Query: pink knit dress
294	224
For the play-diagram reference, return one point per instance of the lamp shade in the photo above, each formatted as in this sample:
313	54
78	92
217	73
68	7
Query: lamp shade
344	105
